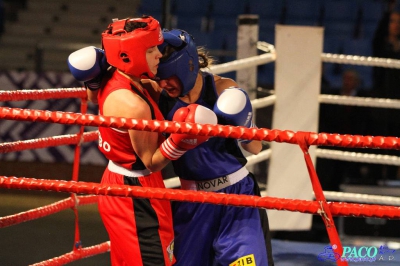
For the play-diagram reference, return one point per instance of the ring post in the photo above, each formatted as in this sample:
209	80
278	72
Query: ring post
247	38
247	47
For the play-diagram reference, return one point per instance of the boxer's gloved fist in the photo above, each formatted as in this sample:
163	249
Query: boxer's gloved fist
88	65
233	107
177	144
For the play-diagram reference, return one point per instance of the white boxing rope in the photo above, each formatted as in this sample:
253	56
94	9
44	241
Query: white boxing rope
362	198
263	102
262	156
359	101
358	157
360	60
243	63
270	56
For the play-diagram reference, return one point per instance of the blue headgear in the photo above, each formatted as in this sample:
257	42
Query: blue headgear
180	58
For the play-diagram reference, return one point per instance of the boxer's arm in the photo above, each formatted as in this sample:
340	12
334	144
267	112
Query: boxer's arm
253	147
153	88
92	96
125	103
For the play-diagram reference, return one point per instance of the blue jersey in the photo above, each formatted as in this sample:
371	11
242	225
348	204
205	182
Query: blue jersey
226	235
214	158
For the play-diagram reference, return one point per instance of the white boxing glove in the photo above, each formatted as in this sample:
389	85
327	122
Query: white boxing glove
233	107
88	65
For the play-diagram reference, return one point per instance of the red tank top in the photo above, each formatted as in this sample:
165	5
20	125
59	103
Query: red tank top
115	143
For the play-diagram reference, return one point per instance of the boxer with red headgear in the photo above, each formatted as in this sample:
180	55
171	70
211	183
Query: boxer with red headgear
126	42
140	230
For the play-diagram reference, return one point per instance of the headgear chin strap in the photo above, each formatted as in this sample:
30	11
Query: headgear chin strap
127	50
180	58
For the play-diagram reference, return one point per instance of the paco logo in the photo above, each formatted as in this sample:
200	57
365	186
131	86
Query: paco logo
357	254
244	261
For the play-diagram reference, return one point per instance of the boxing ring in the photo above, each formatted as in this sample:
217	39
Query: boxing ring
312	201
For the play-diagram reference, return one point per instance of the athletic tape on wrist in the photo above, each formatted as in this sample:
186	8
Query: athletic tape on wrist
170	150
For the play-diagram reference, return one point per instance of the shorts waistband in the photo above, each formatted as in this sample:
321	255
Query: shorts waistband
216	183
116	168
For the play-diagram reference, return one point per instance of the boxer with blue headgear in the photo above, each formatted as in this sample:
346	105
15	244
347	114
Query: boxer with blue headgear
180	58
217	165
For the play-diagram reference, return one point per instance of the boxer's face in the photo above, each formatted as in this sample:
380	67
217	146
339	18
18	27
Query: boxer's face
153	56
172	86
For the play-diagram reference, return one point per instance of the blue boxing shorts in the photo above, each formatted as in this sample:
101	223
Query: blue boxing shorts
211	235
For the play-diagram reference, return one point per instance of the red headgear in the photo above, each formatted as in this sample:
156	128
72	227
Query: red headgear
127	50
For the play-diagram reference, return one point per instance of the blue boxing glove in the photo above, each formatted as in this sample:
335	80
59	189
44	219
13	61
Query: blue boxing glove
234	107
88	65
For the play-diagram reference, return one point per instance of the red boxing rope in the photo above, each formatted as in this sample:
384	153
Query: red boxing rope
321	139
40	143
76	254
45	210
59	93
304	206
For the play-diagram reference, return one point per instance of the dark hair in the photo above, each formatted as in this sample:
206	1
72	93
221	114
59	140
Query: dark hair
205	60
131	25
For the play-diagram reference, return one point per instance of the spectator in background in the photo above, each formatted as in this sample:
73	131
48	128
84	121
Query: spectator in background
343	119
385	122
386	44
